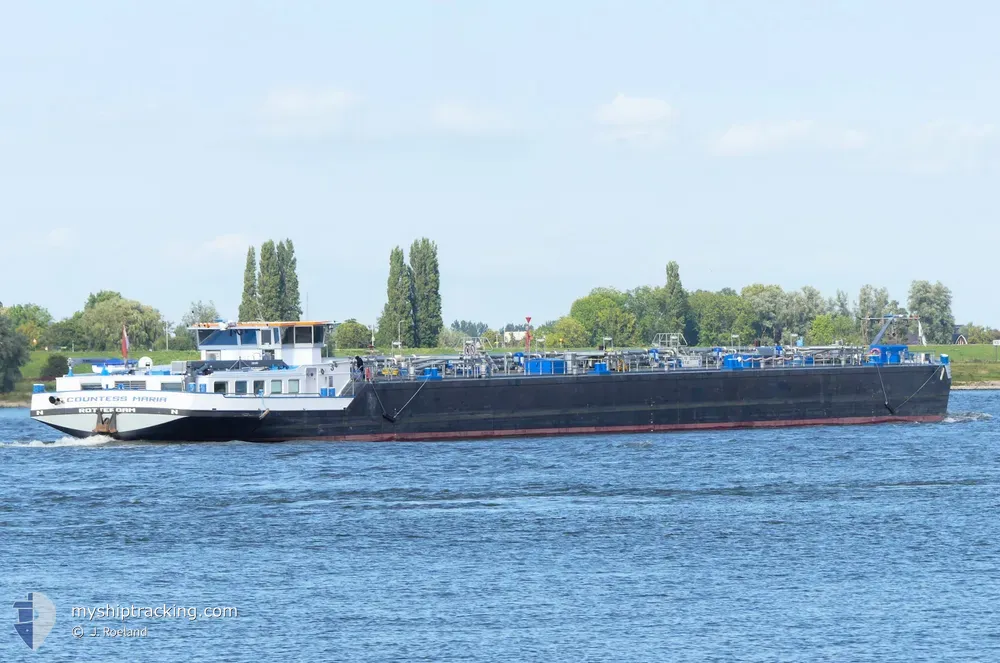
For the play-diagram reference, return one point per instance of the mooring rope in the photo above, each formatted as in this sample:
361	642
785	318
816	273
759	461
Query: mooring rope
400	410
392	418
885	396
933	373
385	414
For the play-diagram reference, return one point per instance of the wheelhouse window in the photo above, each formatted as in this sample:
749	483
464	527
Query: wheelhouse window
220	387
304	335
275	386
241	386
170	386
293	386
220	337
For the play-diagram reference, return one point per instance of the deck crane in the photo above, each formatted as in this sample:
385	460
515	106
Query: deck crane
889	319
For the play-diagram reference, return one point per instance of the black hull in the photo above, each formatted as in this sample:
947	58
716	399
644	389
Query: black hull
617	402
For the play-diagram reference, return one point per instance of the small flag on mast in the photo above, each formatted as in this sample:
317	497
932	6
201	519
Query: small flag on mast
125	344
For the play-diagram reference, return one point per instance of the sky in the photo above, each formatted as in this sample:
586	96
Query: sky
547	148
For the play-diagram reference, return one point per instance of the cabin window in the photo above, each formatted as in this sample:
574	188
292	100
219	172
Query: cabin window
170	386
248	337
220	387
288	335
222	337
91	386
318	334
275	386
241	386
293	386
304	335
258	386
275	336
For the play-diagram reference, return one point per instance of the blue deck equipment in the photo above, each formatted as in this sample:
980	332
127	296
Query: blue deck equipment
432	373
887	354
545	367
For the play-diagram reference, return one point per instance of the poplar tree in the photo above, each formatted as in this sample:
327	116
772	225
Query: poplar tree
397	315
269	283
426	292
291	301
281	253
677	310
248	305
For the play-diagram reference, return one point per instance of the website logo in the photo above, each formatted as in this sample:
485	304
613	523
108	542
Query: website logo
35	619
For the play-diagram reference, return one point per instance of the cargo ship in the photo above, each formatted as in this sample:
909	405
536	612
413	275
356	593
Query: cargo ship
269	381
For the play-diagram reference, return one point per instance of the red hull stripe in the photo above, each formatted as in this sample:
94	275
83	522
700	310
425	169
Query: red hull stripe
654	428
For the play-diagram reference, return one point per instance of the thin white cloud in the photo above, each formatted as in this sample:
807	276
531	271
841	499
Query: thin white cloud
760	137
942	146
467	120
842	139
308	111
227	245
636	120
60	236
957	132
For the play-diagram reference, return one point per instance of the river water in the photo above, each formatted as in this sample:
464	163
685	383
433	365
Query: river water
876	543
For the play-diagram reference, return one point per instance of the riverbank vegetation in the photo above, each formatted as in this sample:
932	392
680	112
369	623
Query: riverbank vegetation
411	322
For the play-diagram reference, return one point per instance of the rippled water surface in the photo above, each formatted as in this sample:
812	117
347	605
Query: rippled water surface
840	544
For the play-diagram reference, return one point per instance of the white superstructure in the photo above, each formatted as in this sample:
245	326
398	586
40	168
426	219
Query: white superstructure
253	368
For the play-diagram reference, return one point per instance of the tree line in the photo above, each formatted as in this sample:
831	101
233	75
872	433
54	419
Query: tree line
98	325
757	314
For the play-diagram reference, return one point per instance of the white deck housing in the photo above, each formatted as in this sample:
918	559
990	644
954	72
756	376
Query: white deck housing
287	372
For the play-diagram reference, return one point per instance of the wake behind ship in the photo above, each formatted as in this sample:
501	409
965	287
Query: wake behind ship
268	381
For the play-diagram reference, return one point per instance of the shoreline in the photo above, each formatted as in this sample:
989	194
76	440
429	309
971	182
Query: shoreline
15	404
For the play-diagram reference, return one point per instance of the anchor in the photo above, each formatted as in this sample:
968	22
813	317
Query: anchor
107	426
